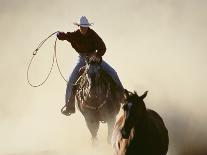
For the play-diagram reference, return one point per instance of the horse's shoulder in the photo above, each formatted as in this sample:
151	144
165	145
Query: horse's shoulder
154	122
157	130
151	114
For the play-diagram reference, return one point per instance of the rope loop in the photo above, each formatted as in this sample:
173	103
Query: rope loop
54	59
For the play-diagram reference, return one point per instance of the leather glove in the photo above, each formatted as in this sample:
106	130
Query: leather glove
60	35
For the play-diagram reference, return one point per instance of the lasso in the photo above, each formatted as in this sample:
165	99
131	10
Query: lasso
54	59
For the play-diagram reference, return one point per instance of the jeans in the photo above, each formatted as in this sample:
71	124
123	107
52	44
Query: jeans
75	74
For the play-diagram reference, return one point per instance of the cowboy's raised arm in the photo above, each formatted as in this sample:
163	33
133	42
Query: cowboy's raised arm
69	36
61	35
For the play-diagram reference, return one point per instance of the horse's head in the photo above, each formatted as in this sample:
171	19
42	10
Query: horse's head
134	111
93	69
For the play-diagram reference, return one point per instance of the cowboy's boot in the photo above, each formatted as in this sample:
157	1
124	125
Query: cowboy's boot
70	105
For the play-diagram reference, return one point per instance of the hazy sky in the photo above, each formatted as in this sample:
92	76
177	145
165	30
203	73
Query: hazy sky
155	45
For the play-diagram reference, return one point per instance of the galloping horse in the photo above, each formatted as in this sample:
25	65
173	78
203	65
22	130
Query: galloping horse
98	98
139	131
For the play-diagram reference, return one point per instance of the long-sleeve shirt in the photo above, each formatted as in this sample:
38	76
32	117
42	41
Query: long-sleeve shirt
88	43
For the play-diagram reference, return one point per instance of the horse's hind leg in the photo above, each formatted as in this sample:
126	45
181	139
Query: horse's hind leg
110	124
93	127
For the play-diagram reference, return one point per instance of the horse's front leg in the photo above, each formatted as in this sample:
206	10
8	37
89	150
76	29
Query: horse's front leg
93	127
110	124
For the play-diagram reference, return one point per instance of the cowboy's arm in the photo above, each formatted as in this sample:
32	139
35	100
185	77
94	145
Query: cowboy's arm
99	45
61	36
64	36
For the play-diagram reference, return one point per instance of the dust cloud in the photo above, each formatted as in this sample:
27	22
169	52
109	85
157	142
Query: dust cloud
155	45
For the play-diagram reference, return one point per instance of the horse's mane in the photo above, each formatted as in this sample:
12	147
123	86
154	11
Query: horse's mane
131	96
105	86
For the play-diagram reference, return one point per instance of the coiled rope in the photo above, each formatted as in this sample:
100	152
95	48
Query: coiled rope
54	59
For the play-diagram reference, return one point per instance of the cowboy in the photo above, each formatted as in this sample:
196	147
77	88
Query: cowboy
86	42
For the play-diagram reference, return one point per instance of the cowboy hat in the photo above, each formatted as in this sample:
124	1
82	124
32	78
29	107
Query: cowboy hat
83	22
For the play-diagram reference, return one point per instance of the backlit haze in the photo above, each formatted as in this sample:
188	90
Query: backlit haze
154	45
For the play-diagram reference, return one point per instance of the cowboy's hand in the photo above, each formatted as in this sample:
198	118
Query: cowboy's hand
95	58
60	35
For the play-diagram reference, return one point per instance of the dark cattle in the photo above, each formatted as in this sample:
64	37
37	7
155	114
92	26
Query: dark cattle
139	131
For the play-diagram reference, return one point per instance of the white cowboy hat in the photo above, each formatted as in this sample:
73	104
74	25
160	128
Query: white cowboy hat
84	22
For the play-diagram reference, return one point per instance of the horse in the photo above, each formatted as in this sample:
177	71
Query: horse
139	131
98	98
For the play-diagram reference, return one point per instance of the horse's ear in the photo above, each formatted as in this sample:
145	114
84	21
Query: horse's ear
126	94
144	95
87	59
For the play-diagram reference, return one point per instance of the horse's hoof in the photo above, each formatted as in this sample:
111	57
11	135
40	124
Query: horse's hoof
94	141
109	141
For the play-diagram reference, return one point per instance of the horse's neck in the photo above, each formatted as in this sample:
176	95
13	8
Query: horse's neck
103	84
103	80
141	123
100	88
104	75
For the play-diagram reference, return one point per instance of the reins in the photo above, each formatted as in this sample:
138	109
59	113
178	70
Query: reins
54	59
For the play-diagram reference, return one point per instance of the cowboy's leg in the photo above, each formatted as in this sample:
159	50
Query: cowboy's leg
112	73
73	78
